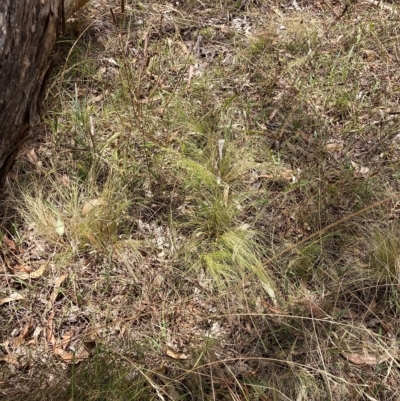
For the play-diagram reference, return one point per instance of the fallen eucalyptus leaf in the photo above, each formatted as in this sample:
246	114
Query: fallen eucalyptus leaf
359	359
36	274
12	297
175	355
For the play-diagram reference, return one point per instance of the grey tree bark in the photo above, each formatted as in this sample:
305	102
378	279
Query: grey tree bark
28	31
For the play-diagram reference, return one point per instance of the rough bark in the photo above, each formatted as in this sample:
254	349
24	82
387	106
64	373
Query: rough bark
28	31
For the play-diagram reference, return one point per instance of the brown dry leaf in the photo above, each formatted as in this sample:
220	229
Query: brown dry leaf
184	48
36	274
364	171
49	329
89	205
15	296
305	137
31	155
59	281
370	55
9	243
22	269
65	340
272	115
334	147
57	285
71	357
175	355
359	359
39	272
274	310
22	335
36	336
150	100
96	99
82	354
65	355
287	174
9	358
360	170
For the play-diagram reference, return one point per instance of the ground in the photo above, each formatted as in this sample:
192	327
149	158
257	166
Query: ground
209	207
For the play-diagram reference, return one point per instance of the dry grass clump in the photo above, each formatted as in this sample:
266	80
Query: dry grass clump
210	211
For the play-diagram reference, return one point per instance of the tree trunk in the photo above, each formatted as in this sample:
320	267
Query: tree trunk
28	31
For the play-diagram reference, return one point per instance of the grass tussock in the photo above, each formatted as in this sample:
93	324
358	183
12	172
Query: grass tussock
209	208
